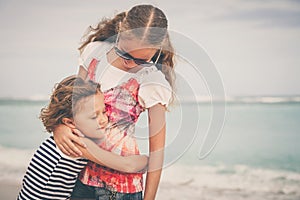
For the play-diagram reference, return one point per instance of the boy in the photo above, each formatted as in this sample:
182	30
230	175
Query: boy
78	104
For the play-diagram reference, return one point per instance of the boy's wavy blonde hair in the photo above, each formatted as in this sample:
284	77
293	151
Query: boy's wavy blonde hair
64	100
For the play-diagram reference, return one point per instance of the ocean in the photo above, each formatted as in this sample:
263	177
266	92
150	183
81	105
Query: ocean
256	157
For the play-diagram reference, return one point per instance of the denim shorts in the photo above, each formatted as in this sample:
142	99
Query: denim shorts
82	191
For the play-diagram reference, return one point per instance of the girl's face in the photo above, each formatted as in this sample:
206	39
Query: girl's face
136	50
91	118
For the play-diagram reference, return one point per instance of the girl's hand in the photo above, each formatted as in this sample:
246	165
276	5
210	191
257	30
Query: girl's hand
65	137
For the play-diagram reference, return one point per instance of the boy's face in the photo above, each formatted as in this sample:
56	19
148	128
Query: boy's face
91	118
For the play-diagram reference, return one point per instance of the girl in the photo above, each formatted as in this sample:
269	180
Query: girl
77	104
132	57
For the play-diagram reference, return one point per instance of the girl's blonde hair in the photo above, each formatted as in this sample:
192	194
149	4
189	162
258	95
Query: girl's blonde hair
146	17
64	100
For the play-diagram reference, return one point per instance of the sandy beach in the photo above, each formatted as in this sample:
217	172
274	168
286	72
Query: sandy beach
187	190
9	191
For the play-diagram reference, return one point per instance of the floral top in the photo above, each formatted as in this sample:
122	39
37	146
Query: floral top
123	110
124	103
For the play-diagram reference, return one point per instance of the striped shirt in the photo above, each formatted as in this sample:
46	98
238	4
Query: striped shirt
50	174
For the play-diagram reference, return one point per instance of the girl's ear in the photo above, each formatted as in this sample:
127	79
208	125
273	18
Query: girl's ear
68	122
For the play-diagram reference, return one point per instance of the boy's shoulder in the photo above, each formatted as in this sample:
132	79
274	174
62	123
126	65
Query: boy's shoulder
50	148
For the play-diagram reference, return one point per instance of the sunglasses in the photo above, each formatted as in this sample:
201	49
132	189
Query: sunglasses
127	56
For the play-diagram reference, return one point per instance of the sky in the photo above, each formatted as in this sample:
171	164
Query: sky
254	45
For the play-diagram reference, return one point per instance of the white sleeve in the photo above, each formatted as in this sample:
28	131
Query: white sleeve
91	51
155	89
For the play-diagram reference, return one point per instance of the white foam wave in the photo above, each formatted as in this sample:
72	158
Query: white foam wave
242	99
265	99
191	182
223	182
13	164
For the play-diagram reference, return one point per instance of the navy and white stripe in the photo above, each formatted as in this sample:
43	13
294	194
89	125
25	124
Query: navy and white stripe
50	174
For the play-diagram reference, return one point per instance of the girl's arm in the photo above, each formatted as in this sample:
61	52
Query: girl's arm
128	164
157	132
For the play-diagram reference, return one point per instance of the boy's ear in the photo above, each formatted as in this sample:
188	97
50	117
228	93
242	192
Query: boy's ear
68	122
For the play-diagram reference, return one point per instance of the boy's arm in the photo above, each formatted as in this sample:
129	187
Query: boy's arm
128	164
